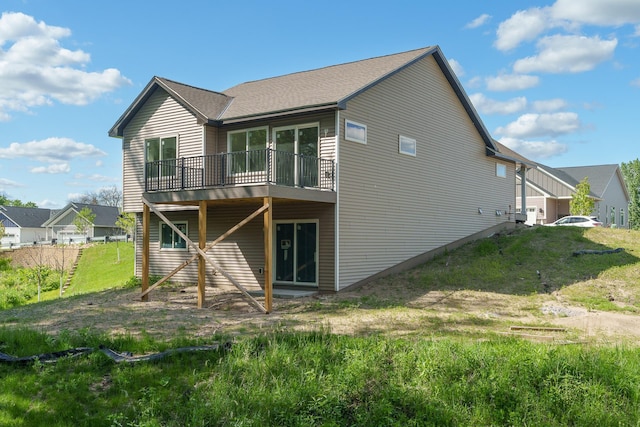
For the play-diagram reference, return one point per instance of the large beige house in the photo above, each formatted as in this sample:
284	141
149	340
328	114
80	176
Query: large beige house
317	180
549	191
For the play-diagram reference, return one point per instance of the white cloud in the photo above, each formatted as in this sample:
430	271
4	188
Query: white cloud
52	169
537	125
508	82
99	163
636	82
7	183
36	70
490	106
549	105
51	150
479	21
527	25
49	204
597	12
522	26
456	67
535	150
567	54
94	177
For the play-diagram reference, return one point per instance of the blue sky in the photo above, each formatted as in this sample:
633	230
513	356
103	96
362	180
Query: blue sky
557	81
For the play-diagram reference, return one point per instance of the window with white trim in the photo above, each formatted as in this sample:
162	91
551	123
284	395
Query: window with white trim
501	170
247	150
169	239
406	145
162	150
355	132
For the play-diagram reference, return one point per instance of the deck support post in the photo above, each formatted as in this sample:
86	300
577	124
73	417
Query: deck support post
202	244
268	250
146	217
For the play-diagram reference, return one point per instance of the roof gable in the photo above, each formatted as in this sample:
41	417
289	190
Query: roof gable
106	216
599	176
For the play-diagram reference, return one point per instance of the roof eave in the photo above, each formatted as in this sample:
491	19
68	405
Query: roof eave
280	113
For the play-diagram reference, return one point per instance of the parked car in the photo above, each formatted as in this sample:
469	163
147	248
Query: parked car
578	221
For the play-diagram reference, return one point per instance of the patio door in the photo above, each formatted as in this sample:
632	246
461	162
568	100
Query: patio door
296	253
296	158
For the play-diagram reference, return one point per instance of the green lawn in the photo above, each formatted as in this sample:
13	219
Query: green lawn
103	266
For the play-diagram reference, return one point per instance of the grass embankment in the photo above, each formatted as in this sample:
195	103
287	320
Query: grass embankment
101	267
313	379
272	377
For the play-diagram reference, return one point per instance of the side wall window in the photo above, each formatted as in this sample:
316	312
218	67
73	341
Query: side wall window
169	239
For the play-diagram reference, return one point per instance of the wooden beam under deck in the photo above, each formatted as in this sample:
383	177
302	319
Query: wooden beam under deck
268	248
202	244
145	251
201	253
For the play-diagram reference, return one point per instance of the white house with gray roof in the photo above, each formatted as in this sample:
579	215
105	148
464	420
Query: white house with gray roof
23	225
317	180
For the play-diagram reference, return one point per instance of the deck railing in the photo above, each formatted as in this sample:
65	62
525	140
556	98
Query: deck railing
255	167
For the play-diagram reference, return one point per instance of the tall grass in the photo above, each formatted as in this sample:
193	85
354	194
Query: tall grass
313	379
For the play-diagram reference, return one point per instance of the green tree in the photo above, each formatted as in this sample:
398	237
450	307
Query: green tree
127	221
581	203
6	201
631	174
84	220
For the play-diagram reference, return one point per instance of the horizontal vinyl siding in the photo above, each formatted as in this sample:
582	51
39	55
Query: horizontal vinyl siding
161	116
242	253
393	206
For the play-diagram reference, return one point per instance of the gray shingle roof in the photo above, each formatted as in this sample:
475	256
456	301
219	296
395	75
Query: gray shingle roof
26	217
321	87
599	176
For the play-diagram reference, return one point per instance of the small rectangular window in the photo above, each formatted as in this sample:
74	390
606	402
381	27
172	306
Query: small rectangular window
406	145
355	132
501	170
169	239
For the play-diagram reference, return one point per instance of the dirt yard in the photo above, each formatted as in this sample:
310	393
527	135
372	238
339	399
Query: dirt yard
372	309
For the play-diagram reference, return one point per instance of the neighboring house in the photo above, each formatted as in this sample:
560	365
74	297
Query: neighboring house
61	225
23	225
353	171
549	191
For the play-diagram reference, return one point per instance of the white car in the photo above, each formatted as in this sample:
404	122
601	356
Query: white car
577	221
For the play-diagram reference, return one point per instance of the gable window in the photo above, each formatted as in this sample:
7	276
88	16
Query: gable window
355	132
160	151
169	239
406	145
247	150
621	217
501	170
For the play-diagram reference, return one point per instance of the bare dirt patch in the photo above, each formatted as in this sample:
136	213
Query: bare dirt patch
172	311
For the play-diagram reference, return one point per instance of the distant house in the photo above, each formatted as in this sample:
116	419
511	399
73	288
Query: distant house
317	180
23	225
61	225
549	191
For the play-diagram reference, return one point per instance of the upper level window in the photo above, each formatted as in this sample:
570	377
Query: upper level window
355	132
501	170
162	149
406	145
169	239
247	150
